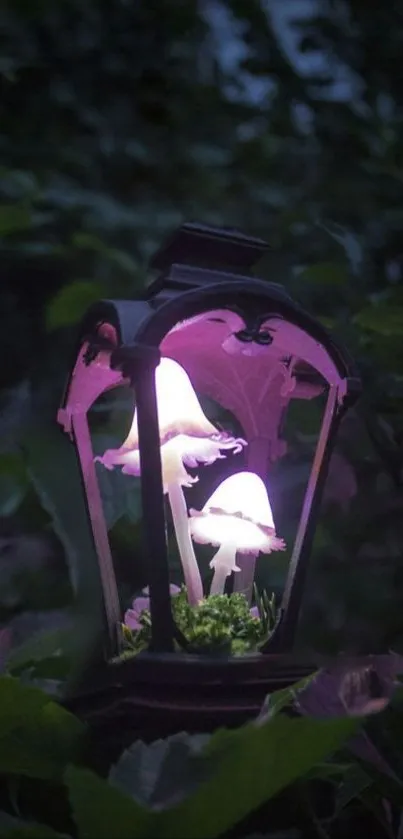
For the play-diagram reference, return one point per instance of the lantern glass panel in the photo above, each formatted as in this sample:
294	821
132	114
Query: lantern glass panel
232	388
247	389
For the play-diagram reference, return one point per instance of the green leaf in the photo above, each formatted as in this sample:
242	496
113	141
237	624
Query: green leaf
354	782
87	241
54	471
71	303
13	483
14	218
42	647
16	828
123	260
120	496
252	765
324	273
280	699
100	811
37	737
385	319
329	770
163	772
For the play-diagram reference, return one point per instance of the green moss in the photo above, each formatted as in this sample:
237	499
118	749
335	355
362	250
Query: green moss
220	624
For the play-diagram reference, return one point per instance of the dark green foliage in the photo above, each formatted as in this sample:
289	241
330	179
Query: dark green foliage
220	623
144	796
118	120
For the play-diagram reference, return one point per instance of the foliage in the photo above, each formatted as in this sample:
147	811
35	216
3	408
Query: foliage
134	121
259	779
221	623
41	741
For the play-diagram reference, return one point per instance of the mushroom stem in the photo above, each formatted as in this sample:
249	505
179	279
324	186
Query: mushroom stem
223	563
191	573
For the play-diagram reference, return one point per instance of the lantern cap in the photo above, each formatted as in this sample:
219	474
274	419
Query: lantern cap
218	249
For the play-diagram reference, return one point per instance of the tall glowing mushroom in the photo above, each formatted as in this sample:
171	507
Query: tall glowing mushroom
187	439
238	519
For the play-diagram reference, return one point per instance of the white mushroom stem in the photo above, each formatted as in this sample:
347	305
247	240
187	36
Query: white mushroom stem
223	563
190	567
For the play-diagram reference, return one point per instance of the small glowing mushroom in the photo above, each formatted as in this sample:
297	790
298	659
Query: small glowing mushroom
187	439
236	518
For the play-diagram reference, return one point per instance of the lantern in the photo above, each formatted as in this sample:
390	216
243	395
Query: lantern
213	359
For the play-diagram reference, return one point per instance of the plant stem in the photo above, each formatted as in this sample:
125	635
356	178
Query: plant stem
190	567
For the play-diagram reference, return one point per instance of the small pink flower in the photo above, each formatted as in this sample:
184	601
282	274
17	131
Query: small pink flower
140	605
254	612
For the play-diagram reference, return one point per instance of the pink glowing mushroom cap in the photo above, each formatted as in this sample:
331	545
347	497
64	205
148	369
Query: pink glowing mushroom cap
186	435
238	513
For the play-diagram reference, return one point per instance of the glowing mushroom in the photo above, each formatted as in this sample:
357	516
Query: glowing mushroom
236	518
187	439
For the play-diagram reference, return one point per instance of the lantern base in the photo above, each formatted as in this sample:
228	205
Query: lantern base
154	696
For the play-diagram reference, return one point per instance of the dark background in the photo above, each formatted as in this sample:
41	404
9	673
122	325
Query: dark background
118	121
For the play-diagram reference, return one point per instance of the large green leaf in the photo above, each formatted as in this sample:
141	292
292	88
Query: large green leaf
164	772
37	737
247	768
253	765
100	811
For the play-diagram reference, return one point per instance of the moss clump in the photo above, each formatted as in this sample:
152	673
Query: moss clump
220	624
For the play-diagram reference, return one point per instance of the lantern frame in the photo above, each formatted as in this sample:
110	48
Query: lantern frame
119	343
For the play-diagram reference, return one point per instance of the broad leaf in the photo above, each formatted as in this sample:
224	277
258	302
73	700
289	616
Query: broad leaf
252	765
37	737
164	772
101	811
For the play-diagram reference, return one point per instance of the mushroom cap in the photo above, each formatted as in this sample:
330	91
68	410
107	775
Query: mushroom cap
237	513
176	453
187	437
179	410
243	494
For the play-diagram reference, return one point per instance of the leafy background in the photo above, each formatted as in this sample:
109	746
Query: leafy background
120	120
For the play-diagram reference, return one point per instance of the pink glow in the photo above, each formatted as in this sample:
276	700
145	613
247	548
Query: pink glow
87	383
141	604
256	388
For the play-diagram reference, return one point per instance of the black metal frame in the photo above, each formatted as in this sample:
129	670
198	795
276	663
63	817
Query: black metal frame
183	291
138	357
